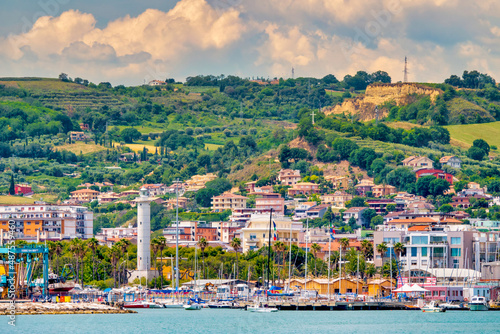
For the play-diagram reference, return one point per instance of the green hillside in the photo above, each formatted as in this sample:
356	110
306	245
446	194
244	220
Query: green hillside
467	133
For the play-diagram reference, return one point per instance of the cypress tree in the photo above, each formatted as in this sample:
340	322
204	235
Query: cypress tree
12	189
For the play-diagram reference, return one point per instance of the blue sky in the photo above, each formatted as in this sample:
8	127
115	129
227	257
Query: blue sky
129	42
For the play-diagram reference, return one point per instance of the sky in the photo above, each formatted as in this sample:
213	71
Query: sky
131	42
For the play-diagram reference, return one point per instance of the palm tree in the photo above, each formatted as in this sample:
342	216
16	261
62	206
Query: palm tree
279	248
58	249
155	245
367	249
399	248
93	244
202	243
77	248
236	245
124	244
370	270
115	254
382	249
344	243
162	244
315	248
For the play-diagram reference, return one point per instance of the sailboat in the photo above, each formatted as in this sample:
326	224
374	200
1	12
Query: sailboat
194	304
259	307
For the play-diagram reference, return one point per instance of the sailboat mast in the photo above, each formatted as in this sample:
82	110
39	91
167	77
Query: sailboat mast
307	239
290	259
329	258
269	252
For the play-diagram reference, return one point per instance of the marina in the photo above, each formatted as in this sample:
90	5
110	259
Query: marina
239	321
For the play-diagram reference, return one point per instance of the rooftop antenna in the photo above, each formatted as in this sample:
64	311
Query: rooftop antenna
405	79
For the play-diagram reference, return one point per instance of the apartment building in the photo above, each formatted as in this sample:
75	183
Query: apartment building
440	246
46	221
381	190
256	233
303	188
289	177
84	195
267	201
228	201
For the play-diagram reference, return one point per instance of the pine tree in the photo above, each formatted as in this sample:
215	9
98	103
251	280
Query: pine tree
12	188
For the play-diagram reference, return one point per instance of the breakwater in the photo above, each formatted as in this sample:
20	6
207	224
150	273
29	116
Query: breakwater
27	308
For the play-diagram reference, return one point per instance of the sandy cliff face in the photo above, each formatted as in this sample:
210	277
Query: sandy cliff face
377	94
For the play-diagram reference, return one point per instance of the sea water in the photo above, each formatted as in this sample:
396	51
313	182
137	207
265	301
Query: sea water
239	321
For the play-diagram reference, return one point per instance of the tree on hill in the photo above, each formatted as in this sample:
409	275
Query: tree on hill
344	147
12	189
476	153
129	135
356	202
482	144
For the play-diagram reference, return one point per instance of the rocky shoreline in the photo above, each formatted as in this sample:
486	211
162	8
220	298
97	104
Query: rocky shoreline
30	308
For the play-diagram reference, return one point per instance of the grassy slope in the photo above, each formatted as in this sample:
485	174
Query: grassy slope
27	200
81	147
467	133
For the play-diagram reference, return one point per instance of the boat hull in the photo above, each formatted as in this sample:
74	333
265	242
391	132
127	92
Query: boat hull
192	307
478	307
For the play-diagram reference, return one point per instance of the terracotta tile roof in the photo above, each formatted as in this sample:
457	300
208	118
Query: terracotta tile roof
419	220
419	228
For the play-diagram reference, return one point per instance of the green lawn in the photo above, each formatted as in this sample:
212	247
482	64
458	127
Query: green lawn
212	147
467	133
145	129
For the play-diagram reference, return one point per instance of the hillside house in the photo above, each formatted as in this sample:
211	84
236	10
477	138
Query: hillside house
451	161
357	213
417	162
438	173
364	186
304	188
289	177
381	190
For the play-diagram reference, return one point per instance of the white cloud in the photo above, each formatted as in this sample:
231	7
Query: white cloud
264	37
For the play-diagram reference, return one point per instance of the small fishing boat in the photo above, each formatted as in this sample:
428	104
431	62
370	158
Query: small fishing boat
432	307
192	306
142	304
261	308
221	305
452	306
478	303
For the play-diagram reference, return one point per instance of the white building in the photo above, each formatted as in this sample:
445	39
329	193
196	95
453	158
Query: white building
38	222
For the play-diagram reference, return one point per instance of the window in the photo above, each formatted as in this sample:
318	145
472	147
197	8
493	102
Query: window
456	252
420	240
424	251
414	251
456	240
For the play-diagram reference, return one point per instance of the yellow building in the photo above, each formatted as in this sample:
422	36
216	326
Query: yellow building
377	287
85	195
228	201
198	182
256	232
339	182
337	285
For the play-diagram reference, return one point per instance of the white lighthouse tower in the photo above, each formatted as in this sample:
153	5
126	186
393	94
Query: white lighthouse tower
143	230
143	235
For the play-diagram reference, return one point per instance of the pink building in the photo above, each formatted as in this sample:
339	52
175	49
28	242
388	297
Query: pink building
267	201
304	188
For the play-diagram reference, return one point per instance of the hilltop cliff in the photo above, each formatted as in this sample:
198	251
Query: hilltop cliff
378	94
